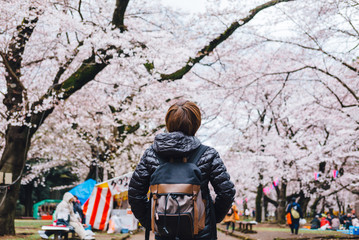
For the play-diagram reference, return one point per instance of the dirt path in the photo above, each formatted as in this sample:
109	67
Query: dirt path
26	230
275	232
268	232
141	236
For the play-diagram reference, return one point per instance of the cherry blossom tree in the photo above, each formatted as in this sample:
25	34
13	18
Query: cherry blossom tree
73	51
296	111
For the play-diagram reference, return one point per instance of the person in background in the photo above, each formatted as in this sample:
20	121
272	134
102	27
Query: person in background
335	223
64	215
295	213
315	223
324	223
347	221
329	218
247	213
355	222
78	210
341	219
231	218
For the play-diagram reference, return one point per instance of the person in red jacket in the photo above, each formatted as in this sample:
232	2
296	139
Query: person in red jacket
324	222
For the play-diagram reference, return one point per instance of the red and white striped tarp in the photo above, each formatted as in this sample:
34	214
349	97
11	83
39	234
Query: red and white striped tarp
99	205
97	208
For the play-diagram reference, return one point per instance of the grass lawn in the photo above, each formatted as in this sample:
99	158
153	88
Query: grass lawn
28	229
305	231
265	231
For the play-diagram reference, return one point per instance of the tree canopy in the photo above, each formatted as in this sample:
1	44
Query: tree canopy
87	83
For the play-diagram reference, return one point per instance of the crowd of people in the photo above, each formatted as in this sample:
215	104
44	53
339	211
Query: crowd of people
333	222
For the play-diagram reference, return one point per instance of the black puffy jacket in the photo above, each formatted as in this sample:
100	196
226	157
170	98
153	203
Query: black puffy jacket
212	168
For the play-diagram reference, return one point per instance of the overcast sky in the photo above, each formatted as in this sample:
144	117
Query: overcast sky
190	5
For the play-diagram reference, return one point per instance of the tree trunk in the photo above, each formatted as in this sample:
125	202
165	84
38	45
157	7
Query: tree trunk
17	139
259	203
313	208
339	204
12	161
92	173
282	201
303	202
304	205
265	206
323	206
27	200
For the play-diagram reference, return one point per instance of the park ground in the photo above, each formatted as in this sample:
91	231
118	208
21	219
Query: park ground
28	229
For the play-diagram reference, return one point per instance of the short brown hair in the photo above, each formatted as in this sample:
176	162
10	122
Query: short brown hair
183	116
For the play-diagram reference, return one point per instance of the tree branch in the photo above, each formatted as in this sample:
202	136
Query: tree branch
38	61
119	14
319	49
12	61
283	86
84	74
275	203
79	10
356	192
64	67
337	97
205	51
11	72
338	80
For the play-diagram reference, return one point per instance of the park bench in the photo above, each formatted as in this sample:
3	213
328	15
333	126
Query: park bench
59	231
246	227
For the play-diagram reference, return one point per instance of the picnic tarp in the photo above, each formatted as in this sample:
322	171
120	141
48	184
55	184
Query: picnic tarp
83	191
98	207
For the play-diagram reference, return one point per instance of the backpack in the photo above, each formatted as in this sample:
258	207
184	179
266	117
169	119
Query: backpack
295	213
177	207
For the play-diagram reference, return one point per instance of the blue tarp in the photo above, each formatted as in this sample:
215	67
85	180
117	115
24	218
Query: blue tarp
83	191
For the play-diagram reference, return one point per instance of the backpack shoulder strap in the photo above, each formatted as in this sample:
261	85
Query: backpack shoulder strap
197	154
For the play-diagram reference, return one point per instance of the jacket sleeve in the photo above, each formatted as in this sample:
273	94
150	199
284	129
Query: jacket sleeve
137	192
223	187
288	208
73	217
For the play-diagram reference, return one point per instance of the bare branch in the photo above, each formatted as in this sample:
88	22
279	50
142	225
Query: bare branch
205	51
283	86
337	97
351	91
351	24
79	10
37	61
319	49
